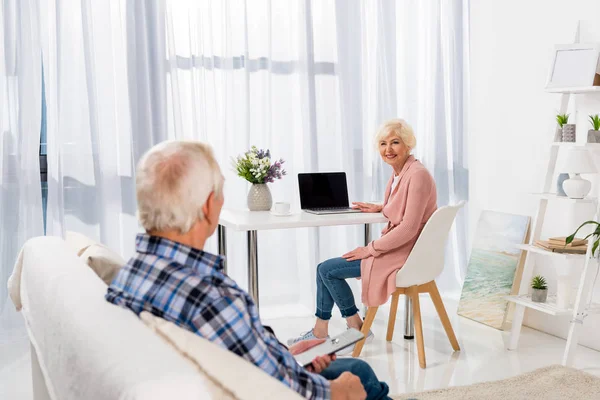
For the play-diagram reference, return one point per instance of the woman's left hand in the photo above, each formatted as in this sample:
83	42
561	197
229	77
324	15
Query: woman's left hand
359	253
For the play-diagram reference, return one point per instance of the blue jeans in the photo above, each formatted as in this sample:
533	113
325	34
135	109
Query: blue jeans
332	287
375	390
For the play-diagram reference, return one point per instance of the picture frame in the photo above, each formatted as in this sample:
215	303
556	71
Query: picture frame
574	65
495	269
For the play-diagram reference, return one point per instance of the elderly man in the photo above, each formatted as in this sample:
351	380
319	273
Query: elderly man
179	193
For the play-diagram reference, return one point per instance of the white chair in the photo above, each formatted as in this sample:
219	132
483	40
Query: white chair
424	263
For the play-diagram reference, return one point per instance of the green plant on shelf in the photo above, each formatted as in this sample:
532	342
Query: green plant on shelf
539	282
562	119
596	235
595	121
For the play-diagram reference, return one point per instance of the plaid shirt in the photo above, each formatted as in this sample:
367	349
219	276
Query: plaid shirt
187	286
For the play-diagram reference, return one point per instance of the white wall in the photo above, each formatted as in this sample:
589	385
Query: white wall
512	120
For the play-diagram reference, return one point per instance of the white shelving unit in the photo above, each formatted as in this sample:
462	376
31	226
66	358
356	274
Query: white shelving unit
534	249
554	196
523	301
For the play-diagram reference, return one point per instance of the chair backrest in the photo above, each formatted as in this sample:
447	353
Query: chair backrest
426	260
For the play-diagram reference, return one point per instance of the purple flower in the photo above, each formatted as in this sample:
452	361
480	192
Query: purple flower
275	171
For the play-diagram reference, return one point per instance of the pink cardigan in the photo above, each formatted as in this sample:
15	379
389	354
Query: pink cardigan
407	209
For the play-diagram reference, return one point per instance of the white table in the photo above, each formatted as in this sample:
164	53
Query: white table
254	221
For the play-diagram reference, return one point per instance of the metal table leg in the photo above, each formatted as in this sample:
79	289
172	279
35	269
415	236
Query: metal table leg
253	266
367	241
222	239
409	325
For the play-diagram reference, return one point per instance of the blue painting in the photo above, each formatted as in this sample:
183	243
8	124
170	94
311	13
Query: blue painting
492	267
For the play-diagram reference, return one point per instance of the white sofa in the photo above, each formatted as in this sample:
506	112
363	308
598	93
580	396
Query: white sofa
85	348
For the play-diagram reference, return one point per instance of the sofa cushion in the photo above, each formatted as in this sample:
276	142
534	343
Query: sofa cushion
234	376
103	261
78	242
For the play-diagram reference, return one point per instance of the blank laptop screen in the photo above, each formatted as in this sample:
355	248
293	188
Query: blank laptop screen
322	190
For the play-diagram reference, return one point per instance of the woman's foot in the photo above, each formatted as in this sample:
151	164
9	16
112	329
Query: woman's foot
309	335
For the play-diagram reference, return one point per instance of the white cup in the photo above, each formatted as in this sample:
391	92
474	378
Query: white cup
281	208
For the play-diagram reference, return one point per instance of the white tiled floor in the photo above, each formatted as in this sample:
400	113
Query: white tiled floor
483	356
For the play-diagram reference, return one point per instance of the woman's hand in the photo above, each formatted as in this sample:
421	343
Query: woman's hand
367	207
357	254
320	362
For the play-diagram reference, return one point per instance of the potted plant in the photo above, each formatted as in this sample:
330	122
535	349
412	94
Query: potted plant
561	119
256	167
568	130
540	289
594	134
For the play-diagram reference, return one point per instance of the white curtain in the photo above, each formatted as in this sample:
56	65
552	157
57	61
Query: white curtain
90	173
20	187
310	80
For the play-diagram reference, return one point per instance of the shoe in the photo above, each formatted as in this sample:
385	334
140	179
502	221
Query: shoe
309	335
348	350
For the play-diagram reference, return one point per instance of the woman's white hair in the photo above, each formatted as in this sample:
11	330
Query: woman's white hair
174	179
401	129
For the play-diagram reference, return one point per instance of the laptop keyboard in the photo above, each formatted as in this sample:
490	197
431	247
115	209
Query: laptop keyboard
331	209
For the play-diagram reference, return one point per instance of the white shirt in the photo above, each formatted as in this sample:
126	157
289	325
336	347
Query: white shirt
395	183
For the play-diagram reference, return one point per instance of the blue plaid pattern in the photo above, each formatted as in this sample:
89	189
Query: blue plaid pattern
187	286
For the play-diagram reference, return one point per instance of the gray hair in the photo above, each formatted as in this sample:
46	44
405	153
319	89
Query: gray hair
173	181
401	129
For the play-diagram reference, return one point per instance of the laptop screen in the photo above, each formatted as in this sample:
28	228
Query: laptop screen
321	190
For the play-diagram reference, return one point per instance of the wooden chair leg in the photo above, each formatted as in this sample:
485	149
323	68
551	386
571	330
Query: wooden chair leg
371	311
392	318
441	310
414	294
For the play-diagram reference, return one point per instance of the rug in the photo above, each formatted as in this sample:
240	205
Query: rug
549	383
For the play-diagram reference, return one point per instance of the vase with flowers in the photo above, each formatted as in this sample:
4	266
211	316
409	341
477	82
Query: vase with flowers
256	167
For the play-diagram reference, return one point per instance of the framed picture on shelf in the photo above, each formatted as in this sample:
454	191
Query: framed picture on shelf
574	66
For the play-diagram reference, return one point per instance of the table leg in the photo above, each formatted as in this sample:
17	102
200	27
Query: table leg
253	266
222	239
409	325
367	241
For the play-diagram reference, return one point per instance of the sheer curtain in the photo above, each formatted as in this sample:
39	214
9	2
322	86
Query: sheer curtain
20	186
89	121
310	80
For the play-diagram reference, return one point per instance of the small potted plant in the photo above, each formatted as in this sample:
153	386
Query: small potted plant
568	130
594	134
256	167
561	119
540	289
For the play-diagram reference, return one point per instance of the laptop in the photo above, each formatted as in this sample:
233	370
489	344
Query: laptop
324	193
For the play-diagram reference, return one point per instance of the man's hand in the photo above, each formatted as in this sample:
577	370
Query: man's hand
347	387
320	362
357	254
367	207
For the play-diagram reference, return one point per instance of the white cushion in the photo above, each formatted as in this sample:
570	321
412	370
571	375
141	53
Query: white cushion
78	242
88	348
235	377
103	261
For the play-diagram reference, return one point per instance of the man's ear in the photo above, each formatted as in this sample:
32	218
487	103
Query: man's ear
208	206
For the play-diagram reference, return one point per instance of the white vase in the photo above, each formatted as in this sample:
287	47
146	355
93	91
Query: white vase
259	197
563	293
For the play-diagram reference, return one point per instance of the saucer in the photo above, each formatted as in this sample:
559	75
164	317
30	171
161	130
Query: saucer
281	215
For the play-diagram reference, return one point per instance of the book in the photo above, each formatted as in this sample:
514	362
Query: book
563	241
546	245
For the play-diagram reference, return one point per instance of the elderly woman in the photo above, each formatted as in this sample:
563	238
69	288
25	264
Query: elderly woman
410	199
